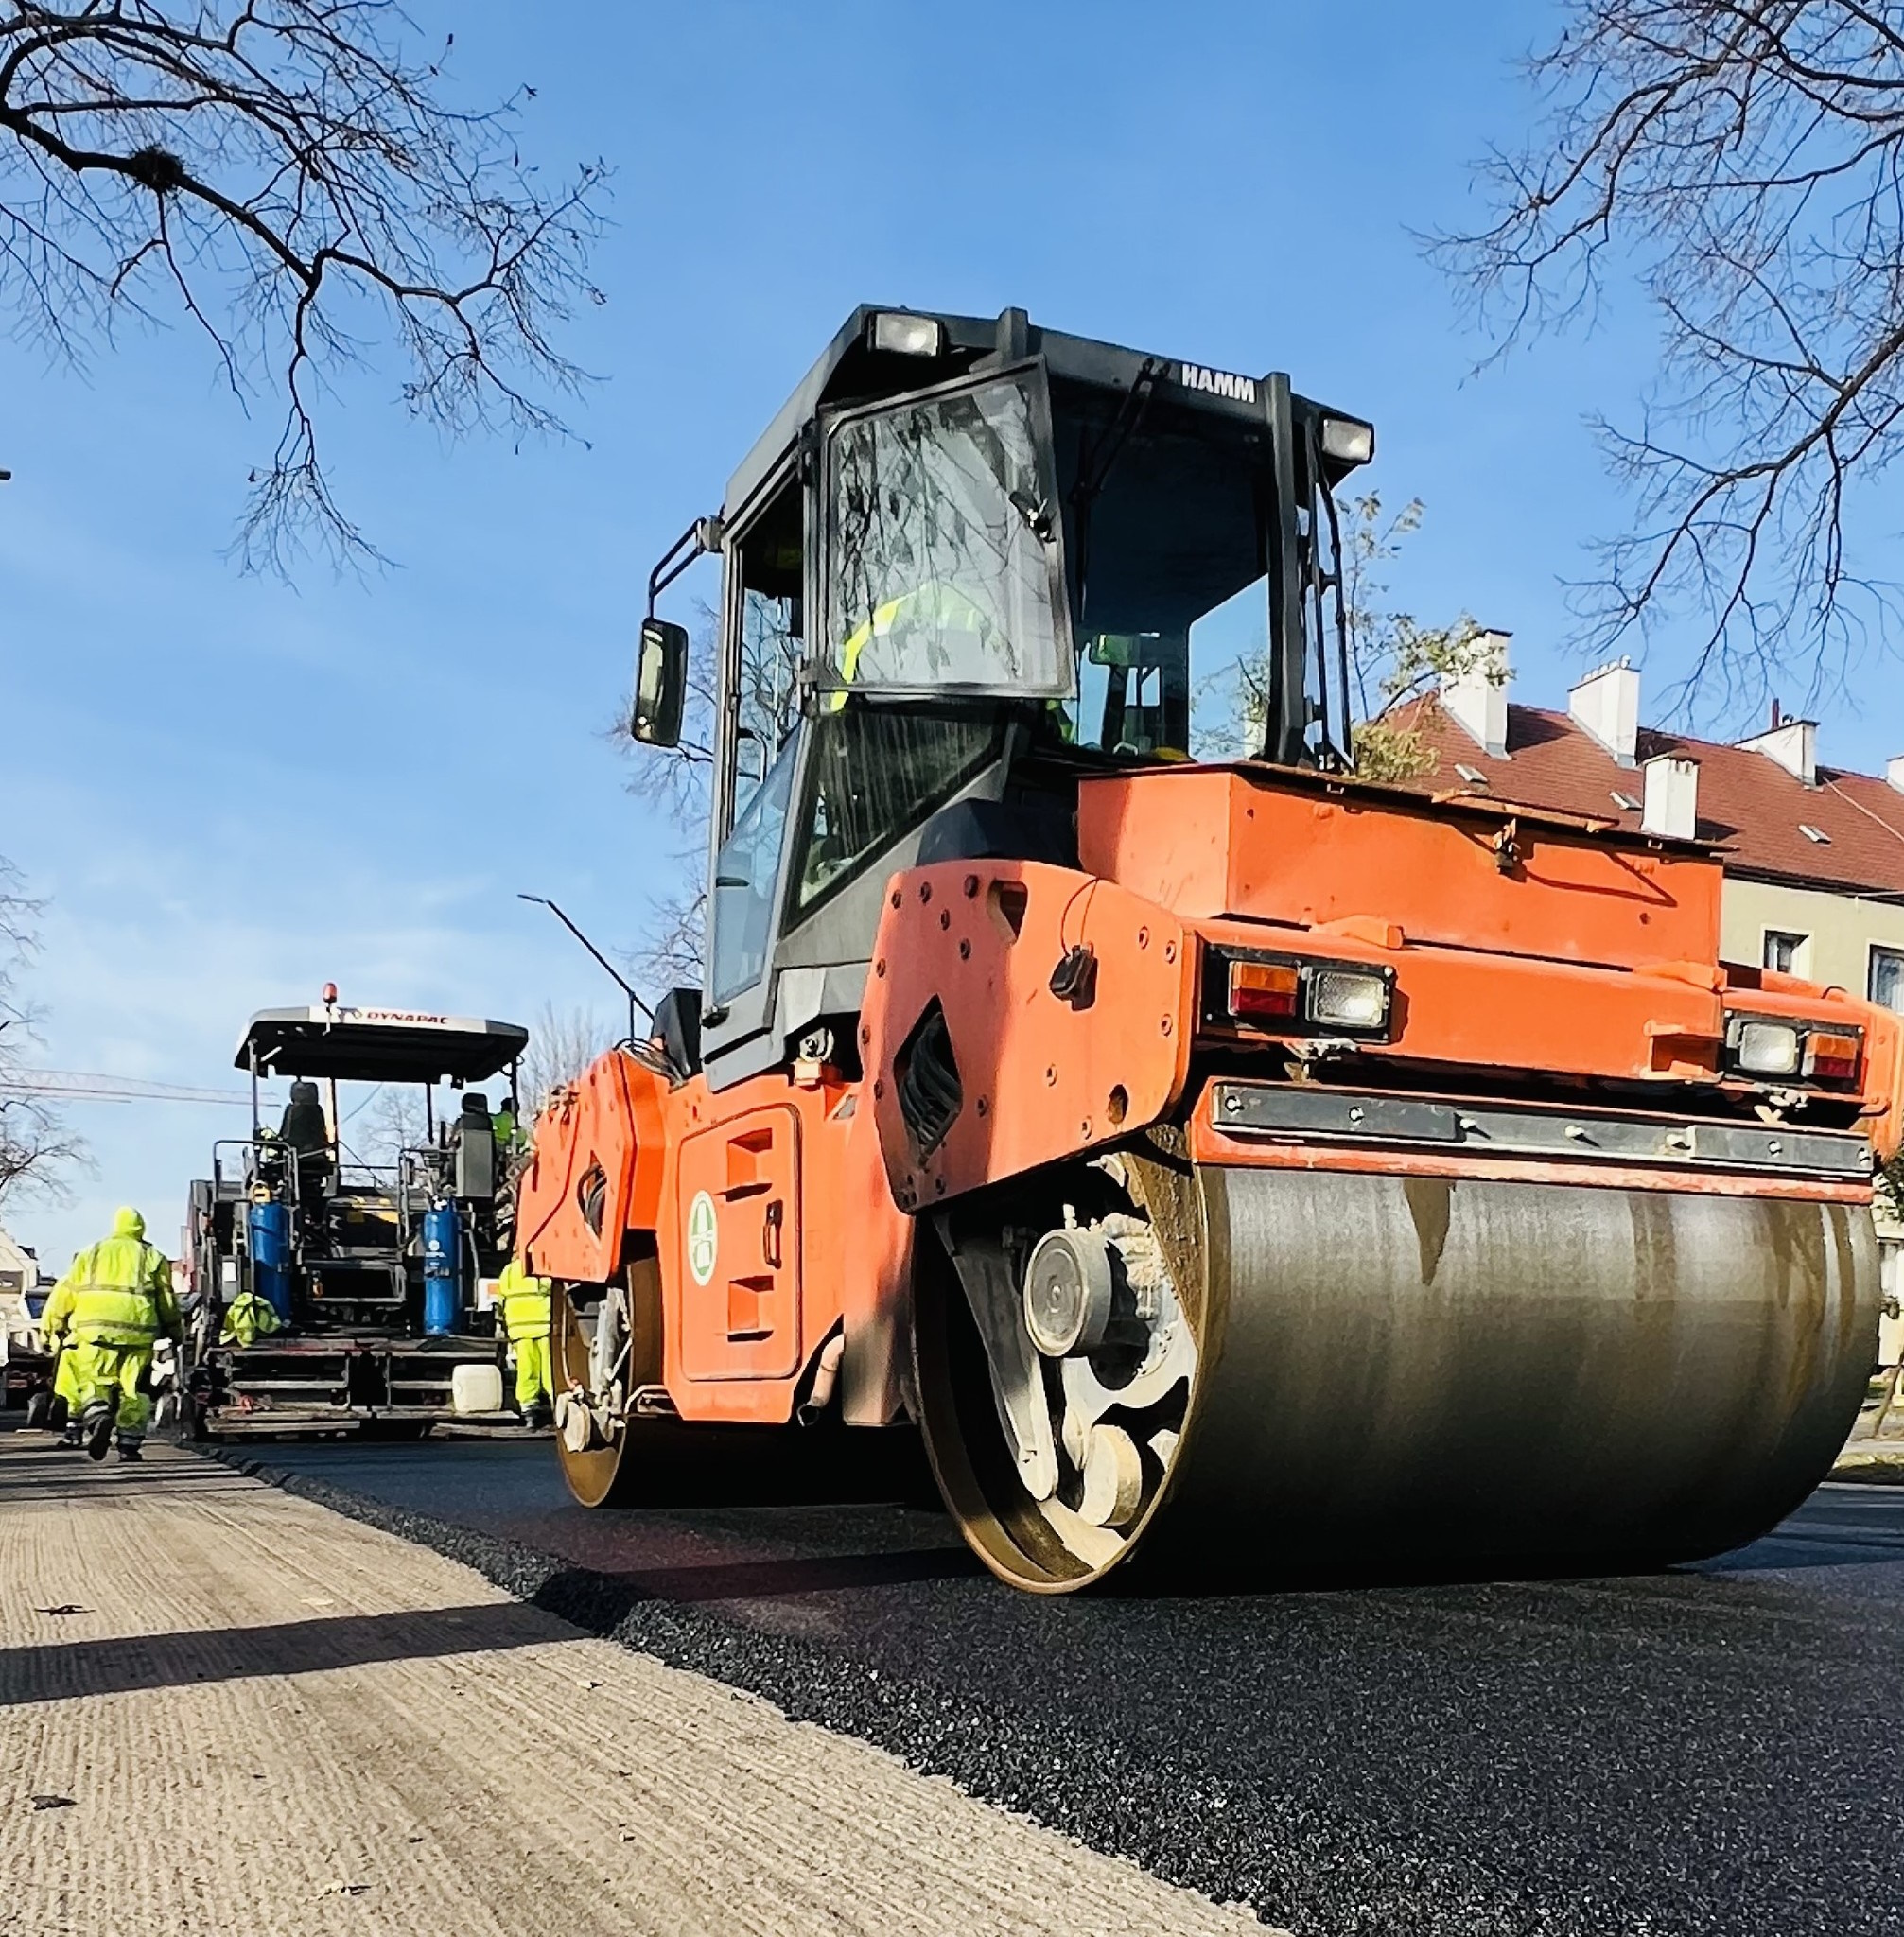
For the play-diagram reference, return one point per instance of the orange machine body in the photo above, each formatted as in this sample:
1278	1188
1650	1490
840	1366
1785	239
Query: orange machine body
1530	956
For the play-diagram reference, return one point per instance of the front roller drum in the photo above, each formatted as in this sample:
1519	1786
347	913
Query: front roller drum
592	1451
619	1445
1407	1374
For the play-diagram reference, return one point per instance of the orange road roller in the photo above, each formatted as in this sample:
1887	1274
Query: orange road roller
1230	1164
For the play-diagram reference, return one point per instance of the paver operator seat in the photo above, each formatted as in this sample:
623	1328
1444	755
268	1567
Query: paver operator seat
305	1132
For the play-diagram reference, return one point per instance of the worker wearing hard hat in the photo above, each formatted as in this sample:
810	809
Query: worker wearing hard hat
119	1306
522	1306
250	1316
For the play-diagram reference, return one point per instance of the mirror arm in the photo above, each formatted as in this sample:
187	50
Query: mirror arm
701	537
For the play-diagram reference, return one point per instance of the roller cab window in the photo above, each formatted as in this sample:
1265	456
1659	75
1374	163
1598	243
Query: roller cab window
1167	524
763	631
745	871
874	774
1101	549
770	627
943	569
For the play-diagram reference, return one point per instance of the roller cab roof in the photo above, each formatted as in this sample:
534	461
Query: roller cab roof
854	369
379	1045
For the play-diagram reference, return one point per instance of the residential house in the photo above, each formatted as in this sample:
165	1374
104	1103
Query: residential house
21	1285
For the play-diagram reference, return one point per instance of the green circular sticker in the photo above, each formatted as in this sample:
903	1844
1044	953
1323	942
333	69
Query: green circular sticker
704	1237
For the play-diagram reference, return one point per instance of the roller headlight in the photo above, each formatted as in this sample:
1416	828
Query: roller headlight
1762	1048
1347	999
904	334
1347	440
1802	1052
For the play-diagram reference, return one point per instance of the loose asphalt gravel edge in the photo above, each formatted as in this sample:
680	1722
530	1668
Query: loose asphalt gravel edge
1281	1861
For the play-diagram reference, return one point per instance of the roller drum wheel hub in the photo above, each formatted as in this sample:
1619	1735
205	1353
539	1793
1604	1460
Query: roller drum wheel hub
1069	1293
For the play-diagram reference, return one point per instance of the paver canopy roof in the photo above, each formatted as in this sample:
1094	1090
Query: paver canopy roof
379	1045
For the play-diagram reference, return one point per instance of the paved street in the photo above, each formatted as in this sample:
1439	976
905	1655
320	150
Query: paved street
225	1710
1713	1750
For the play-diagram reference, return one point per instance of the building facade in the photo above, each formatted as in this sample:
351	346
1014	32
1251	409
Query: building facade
20	1286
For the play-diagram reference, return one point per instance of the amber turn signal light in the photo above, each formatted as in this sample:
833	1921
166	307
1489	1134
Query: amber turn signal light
1263	989
1832	1059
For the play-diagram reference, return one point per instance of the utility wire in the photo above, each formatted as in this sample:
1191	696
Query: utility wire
81	1085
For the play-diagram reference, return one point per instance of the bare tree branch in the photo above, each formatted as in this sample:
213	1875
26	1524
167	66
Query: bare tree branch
561	1045
673	951
1744	159
290	177
36	1150
675	780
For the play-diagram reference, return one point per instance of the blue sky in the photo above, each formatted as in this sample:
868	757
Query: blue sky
232	792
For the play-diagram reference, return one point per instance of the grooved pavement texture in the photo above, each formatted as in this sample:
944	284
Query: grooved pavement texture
273	1721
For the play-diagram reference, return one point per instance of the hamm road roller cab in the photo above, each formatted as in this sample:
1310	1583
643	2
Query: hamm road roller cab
1227	1162
371	1270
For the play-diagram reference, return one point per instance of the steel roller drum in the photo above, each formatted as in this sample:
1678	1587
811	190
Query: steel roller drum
1418	1370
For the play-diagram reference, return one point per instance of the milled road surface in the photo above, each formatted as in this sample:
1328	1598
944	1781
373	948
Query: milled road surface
225	1709
1715	1750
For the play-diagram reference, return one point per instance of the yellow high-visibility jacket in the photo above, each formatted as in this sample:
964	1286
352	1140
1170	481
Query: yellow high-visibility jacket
56	1314
118	1292
522	1303
248	1318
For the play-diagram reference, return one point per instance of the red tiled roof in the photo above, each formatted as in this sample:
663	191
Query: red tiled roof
1746	801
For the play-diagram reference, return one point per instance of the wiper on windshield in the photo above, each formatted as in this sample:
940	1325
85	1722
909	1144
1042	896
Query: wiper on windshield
1094	466
1036	513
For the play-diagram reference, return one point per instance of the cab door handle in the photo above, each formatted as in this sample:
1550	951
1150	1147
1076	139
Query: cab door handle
770	1234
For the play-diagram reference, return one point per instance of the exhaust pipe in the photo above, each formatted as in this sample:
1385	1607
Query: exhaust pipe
826	1376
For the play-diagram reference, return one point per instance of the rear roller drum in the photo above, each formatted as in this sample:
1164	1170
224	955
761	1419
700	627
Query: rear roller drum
1390	1374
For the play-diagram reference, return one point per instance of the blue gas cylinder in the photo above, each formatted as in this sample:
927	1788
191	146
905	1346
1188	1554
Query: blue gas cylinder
441	1276
271	1246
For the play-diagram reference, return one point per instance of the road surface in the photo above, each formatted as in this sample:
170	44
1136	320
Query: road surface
226	1710
1714	1750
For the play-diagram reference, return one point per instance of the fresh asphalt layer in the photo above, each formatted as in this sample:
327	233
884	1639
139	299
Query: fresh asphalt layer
1710	1750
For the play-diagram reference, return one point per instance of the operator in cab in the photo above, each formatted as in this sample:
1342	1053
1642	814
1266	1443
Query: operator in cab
109	1312
305	1133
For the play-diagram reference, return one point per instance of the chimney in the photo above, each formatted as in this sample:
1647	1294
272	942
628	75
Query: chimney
1894	772
1671	807
1605	705
1477	698
1793	743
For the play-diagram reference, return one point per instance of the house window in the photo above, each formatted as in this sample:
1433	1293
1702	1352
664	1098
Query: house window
1886	986
1784	952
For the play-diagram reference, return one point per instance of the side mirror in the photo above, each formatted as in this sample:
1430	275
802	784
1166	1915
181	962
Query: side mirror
660	683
